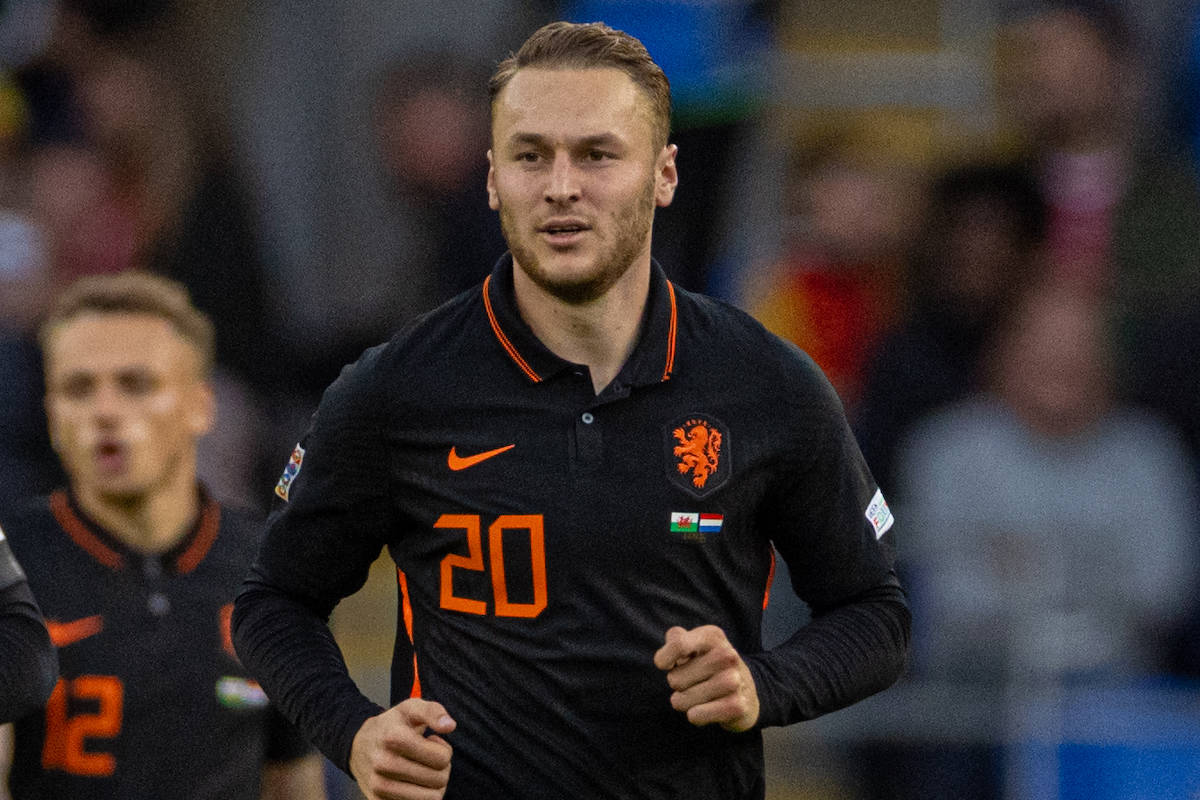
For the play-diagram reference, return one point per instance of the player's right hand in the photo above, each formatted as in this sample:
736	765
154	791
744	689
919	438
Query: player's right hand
392	758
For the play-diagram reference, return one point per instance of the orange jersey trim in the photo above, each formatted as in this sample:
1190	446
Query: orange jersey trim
407	615
79	533
504	342
206	534
770	580
670	367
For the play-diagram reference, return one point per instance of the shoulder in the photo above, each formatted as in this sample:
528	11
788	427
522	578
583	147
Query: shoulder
239	533
29	526
725	343
962	425
422	348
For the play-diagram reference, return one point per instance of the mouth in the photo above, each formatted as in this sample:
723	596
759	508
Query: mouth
110	455
563	232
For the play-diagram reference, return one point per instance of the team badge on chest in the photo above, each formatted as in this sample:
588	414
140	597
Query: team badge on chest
698	453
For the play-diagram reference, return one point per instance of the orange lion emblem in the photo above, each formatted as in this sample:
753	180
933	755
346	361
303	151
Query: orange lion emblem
698	451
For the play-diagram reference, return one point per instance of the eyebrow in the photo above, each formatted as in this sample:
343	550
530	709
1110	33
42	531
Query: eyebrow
592	140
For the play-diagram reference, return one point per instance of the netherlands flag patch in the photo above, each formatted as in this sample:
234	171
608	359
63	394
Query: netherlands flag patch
711	523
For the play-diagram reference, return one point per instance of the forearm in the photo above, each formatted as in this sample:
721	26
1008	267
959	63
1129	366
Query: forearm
28	661
291	652
844	655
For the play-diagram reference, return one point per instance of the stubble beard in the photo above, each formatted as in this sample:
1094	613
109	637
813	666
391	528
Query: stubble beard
632	229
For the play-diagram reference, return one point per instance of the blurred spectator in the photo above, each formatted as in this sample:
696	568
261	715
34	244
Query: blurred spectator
27	464
978	244
715	54
431	126
836	290
113	175
1125	211
192	218
1053	530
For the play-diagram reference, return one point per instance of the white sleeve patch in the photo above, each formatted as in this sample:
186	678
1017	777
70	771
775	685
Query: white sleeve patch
879	515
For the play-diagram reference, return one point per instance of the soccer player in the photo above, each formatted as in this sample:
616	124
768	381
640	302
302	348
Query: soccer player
136	568
579	470
28	662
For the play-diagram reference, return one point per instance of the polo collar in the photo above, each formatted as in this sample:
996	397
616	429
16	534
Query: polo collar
653	357
112	552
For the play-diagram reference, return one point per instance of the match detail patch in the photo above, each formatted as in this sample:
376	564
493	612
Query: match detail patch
694	525
684	522
237	692
290	472
879	515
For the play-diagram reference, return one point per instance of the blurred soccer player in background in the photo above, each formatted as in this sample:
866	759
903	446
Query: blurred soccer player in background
136	568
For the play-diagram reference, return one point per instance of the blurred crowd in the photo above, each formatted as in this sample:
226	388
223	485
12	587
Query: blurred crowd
1012	322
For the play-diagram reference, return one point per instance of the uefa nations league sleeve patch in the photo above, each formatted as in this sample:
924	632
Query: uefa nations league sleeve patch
879	515
290	472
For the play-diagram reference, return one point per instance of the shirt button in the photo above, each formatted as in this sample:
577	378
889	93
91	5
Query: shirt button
158	604
587	418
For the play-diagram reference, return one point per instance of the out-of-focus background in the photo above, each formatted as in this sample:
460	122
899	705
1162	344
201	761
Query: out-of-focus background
982	219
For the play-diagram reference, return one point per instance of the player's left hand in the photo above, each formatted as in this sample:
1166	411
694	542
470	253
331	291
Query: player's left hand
711	681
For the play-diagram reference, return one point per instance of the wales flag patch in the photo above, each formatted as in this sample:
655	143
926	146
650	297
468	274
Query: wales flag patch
684	522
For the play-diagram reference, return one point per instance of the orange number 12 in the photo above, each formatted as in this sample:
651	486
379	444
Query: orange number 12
471	525
66	736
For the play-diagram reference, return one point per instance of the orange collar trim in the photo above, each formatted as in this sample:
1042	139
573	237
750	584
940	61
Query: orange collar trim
504	342
187	560
510	348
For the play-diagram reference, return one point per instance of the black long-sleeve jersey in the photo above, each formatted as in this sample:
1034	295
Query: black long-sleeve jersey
152	702
28	662
546	537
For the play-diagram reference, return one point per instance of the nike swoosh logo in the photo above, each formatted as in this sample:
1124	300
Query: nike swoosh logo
65	633
457	462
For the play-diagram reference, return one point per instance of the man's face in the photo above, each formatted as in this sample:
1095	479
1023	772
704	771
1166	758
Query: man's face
576	175
125	401
1060	78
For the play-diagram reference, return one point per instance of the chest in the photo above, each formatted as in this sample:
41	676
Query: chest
502	504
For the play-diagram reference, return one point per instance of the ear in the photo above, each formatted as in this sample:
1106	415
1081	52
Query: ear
493	198
666	177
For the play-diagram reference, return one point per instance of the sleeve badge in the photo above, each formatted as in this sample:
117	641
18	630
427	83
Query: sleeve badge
290	472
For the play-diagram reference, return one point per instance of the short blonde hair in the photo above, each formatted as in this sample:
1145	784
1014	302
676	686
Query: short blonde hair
564	45
135	293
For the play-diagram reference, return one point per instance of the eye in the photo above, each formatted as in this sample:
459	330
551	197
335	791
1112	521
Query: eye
137	383
528	157
599	155
77	387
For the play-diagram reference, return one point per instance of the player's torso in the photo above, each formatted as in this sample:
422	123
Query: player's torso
548	540
151	701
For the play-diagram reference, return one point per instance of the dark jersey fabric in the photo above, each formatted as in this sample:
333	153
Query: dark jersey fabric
540	579
152	702
28	663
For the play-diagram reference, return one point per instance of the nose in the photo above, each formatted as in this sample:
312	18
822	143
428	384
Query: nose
563	185
106	404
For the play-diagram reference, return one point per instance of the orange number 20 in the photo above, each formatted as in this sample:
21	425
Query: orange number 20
471	525
66	736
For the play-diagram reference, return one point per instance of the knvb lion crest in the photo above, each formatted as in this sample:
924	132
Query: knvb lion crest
698	453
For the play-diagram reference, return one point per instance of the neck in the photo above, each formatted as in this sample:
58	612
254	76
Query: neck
600	333
150	522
